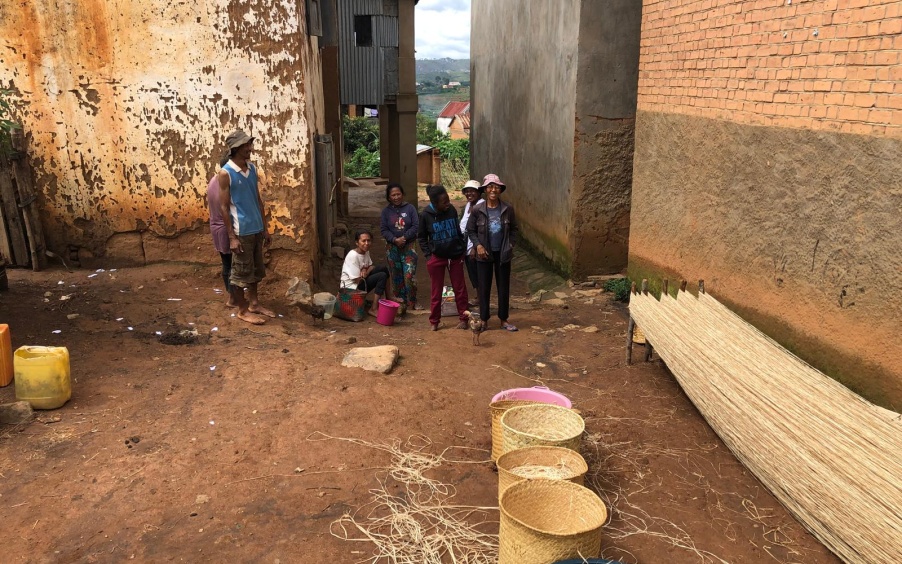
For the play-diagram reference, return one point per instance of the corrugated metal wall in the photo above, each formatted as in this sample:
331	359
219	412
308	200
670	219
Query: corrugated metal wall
365	71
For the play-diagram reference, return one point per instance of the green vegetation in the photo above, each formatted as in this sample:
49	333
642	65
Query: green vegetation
361	145
362	164
431	104
427	134
456	151
6	125
360	132
620	287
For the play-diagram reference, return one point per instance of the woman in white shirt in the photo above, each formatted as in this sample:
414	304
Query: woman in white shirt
472	191
359	273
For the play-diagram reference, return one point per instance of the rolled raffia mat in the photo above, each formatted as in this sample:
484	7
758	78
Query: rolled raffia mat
545	521
541	425
498	408
833	459
638	336
529	463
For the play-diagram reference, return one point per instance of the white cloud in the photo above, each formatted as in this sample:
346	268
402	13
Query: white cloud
442	29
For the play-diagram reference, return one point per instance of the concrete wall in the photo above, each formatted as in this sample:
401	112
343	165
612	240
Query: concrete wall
553	115
607	75
767	163
127	103
523	71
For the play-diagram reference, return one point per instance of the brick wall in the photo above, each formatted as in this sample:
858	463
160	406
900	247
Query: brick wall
817	64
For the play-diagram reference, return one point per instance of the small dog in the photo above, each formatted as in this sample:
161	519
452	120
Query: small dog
317	312
477	326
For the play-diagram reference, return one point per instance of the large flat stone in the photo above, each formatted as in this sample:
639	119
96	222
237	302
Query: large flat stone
377	359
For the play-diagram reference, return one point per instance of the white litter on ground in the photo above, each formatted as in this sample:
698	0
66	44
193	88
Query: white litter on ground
56	331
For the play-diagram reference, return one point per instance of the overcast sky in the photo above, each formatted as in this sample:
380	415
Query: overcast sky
443	29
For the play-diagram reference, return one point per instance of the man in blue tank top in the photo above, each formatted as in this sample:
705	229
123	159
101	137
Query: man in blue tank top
241	203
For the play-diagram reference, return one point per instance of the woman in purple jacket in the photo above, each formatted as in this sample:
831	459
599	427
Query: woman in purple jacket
400	227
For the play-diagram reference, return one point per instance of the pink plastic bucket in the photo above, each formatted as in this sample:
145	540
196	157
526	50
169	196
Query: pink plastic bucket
536	393
387	312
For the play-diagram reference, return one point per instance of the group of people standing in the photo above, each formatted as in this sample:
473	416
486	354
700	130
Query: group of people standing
480	242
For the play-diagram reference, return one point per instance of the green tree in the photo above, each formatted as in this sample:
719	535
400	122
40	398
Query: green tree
360	132
427	134
456	151
362	163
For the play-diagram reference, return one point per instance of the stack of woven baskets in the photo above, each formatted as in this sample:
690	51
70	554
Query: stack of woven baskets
546	513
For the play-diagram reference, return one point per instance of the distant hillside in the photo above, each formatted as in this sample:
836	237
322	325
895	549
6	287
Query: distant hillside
450	69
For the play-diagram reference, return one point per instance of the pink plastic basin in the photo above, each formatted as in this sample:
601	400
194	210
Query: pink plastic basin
536	393
387	312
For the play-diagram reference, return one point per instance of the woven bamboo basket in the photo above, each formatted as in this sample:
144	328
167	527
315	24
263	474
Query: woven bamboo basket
541	425
545	521
498	408
530	463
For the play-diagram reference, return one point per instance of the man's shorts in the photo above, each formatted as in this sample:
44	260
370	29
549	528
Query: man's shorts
247	266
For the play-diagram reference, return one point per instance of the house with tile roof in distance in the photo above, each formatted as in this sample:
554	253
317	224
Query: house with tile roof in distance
458	112
460	125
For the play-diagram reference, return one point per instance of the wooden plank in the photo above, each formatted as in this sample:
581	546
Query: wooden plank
6	250
10	208
28	202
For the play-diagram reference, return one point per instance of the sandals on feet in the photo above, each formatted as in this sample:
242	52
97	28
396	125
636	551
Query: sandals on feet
509	327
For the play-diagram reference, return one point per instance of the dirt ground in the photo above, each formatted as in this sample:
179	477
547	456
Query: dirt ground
215	451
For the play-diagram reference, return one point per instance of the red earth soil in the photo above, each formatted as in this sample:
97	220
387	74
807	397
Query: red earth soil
206	452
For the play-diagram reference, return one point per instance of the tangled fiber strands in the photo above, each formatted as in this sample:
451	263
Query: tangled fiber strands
833	459
416	523
616	475
558	471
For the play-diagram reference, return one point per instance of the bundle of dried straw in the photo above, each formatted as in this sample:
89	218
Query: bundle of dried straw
833	459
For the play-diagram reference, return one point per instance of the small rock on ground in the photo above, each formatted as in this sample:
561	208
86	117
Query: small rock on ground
15	413
377	359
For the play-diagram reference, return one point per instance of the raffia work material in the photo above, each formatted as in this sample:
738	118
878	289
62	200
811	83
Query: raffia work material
541	424
554	463
545	521
833	459
498	408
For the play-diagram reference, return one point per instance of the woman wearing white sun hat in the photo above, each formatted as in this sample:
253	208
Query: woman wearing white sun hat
472	191
492	228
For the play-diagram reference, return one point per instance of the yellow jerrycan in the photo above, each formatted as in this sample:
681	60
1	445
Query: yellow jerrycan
42	376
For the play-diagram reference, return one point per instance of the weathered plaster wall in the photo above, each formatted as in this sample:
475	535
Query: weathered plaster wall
554	100
768	143
523	69
126	104
607	75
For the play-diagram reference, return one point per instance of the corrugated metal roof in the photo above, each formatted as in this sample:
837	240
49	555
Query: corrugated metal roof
451	109
423	148
368	74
